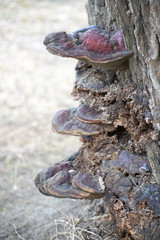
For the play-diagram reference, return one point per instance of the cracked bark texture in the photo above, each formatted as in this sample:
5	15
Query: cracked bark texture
139	21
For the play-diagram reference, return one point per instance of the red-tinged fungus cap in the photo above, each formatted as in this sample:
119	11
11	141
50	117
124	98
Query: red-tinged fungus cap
64	165
56	181
66	122
59	186
88	183
95	46
88	114
92	115
51	171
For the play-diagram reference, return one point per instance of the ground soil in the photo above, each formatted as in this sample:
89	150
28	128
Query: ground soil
34	85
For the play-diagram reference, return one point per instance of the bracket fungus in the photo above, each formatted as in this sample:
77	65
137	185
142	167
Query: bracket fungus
66	122
88	115
60	186
113	123
62	181
51	171
88	183
95	46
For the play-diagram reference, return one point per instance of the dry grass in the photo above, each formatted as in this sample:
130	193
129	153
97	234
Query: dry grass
88	225
70	230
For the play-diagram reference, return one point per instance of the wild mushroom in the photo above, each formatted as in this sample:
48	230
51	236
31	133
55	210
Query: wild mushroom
60	186
64	165
56	180
62	181
97	47
88	183
66	122
88	115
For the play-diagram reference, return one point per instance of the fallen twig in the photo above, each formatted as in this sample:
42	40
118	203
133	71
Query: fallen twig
16	231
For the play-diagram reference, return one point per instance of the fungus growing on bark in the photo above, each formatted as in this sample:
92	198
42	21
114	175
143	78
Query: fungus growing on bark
88	183
88	115
66	122
60	186
116	153
65	165
51	171
62	181
97	47
56	180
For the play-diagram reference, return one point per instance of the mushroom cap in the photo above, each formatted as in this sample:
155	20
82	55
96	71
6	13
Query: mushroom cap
88	183
50	172
64	165
94	46
92	115
57	181
66	122
89	115
59	186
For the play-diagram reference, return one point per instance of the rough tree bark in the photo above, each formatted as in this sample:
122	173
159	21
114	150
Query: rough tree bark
139	22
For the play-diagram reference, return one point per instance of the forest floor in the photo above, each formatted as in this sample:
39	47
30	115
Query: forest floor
34	86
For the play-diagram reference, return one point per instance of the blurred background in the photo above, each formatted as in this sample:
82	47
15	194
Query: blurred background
34	85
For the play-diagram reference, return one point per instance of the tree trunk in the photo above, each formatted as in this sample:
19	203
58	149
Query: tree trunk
134	217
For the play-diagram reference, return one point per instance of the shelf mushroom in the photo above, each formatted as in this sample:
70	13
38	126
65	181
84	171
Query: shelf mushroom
88	183
88	115
66	122
62	181
95	46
